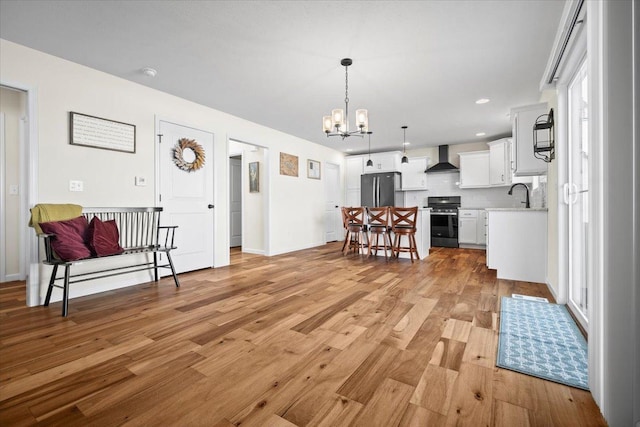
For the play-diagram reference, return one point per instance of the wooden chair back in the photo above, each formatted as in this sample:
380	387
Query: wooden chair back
355	216
403	218
378	217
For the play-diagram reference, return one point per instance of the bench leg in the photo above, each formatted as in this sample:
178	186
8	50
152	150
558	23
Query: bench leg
51	282
155	266
173	270
65	291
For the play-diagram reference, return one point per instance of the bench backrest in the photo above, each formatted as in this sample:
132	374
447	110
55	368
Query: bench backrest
138	227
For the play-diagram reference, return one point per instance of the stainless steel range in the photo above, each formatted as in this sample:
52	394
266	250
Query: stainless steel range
444	221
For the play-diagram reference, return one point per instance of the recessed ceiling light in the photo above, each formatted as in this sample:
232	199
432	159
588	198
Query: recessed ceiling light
482	101
480	134
406	143
149	72
349	150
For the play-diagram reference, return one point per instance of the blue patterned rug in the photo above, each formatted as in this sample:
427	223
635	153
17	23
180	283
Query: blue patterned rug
542	340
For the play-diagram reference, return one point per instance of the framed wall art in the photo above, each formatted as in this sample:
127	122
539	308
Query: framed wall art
288	164
90	131
313	169
254	177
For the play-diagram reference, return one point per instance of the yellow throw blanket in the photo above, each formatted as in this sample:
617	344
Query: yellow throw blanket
52	212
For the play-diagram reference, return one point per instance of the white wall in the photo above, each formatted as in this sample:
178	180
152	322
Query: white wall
108	176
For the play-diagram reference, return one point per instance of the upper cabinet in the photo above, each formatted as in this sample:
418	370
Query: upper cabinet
500	162
384	162
474	169
522	121
413	174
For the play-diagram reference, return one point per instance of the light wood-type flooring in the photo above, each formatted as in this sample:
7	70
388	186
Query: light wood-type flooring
311	338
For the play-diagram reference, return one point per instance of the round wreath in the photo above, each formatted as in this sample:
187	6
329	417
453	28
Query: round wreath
178	155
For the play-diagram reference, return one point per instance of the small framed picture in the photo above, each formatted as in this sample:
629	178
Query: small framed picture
313	169
288	164
254	177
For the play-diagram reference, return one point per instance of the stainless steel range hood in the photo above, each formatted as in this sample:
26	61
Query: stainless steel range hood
443	164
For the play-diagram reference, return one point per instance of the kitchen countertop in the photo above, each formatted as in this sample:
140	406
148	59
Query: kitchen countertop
518	209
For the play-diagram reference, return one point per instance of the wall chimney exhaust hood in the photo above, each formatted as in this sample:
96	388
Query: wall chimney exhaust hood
443	164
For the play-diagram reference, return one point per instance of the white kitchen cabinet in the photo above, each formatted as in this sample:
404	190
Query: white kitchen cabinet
522	121
500	162
467	230
354	167
384	162
471	230
517	244
474	169
413	175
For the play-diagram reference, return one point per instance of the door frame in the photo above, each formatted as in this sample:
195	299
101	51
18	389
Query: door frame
29	191
587	46
157	184
265	188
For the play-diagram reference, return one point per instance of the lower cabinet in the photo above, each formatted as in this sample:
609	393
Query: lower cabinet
471	230
517	245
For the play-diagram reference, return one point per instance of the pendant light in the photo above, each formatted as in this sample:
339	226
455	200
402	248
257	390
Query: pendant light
369	162
405	159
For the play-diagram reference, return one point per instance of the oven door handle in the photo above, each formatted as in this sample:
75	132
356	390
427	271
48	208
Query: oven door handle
444	213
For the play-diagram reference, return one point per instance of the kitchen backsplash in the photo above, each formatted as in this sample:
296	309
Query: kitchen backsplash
446	184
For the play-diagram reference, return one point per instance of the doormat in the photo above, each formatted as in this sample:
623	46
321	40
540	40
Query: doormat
542	340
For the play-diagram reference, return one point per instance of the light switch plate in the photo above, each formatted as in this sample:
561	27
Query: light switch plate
76	185
141	181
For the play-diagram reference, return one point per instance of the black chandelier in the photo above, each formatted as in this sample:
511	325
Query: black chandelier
337	124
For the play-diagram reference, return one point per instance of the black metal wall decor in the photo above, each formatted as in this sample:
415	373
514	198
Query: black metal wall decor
185	144
543	138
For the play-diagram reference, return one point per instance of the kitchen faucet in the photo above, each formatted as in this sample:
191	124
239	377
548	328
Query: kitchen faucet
526	202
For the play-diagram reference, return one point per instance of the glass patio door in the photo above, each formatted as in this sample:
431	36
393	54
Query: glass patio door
576	194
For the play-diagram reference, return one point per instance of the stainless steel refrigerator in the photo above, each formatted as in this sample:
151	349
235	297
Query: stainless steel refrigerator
381	189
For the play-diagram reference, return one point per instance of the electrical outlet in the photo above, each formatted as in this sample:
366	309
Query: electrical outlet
76	185
141	181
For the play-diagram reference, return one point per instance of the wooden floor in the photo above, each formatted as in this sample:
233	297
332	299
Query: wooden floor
311	338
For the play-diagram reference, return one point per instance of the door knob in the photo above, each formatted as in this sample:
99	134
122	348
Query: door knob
211	206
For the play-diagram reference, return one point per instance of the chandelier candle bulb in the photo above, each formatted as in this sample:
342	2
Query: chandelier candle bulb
362	119
327	126
338	117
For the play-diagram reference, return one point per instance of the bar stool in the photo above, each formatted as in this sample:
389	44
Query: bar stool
378	224
345	225
403	223
356	230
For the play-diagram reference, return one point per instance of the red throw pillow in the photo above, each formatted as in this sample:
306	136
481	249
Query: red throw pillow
71	237
104	238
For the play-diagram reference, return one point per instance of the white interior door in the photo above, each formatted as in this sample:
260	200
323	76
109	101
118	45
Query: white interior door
235	205
333	221
577	194
187	196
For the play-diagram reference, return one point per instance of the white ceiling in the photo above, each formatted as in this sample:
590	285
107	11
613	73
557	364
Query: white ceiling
277	63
